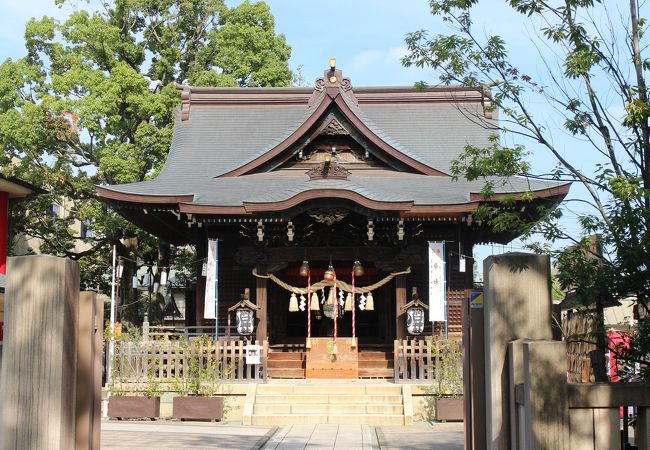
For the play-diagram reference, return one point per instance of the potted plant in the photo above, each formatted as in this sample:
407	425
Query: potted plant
199	383
134	388
448	383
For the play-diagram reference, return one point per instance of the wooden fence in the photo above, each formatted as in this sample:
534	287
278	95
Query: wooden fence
436	361
167	361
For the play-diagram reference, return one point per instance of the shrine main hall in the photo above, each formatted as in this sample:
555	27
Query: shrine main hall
326	203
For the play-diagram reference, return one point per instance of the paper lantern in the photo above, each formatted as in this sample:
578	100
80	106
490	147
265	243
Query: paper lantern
293	303
415	320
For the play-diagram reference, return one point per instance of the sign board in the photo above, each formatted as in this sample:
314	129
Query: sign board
476	300
415	320
245	321
253	354
437	288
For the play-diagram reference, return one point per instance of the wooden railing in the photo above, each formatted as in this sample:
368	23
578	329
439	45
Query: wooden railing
437	361
186	332
165	361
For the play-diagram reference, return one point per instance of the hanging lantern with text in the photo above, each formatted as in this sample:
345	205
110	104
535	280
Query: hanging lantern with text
245	321
415	314
415	320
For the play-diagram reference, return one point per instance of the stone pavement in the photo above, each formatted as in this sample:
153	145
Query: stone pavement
422	436
168	435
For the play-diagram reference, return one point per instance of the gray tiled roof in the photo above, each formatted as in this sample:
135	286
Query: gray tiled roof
220	138
436	134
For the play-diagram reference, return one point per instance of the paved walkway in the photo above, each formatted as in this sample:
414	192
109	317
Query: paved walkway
167	435
422	436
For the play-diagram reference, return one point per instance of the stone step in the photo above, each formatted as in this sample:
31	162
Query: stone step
341	419
328	399
327	408
330	389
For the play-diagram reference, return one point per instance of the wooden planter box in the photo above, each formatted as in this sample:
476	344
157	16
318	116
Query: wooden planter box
202	408
449	408
134	407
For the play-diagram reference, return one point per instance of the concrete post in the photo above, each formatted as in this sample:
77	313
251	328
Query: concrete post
546	404
517	306
89	371
38	376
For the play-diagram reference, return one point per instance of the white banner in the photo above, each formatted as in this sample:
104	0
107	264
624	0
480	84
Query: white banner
437	282
211	281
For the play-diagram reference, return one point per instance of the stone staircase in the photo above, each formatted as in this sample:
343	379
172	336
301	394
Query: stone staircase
321	402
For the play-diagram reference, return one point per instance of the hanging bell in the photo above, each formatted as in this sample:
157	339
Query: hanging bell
314	306
370	302
357	268
293	303
304	269
348	302
329	273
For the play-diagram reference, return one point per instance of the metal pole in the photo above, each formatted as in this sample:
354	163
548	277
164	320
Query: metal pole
111	342
216	290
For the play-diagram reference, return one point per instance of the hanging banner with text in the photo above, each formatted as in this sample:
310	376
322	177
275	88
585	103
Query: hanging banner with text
437	282
211	281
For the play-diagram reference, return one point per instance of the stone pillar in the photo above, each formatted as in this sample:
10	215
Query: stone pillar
546	405
517	306
38	376
89	371
261	301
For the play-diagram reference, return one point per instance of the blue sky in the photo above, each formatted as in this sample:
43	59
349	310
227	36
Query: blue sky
365	36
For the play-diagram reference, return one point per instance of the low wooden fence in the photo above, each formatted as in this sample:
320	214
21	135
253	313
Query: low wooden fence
186	332
167	360
436	361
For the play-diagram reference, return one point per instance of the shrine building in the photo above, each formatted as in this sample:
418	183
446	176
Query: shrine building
327	181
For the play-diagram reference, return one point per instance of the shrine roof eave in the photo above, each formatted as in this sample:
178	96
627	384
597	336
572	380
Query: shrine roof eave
185	203
106	193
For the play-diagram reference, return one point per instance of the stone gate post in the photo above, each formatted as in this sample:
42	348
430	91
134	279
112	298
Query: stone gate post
38	375
517	305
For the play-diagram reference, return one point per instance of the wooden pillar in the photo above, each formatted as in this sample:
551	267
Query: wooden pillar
400	302
89	371
261	301
39	371
199	299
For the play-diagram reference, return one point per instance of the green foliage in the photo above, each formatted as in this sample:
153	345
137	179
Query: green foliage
202	372
92	103
599	78
448	379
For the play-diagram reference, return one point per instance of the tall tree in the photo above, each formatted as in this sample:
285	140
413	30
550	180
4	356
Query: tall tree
594	125
92	102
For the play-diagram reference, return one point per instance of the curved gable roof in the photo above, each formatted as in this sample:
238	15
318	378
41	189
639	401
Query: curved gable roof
337	98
